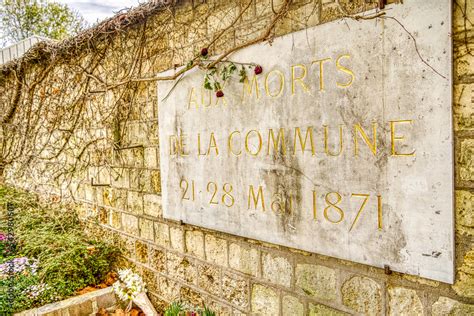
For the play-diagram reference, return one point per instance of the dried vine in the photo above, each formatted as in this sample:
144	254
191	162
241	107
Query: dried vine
69	106
57	122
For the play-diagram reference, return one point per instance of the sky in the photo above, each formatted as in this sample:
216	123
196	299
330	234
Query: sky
93	10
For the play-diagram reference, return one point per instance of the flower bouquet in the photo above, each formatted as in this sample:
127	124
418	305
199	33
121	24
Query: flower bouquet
131	288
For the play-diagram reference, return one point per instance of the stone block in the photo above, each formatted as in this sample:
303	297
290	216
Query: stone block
135	202
248	32
152	133
417	279
191	297
104	175
181	267
98	196
218	308
130	224
264	7
114	198
209	279
464	212
463	63
265	300
304	15
149	277
403	301
84	308
146	229
115	219
222	18
446	306
195	243
127	245
330	11
464	285
277	270
133	157
199	32
235	289
155	178
106	300
103	216
141	251
466	160
216	250
463	107
316	281
120	178
292	306
177	238
463	15
158	302
244	259
152	205
363	295
323	310
162	234
140	180
151	158
89	194
168	289
157	259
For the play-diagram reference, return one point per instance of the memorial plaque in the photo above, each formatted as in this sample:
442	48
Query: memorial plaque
342	146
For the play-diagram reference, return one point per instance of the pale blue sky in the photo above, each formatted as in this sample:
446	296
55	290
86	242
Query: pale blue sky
93	10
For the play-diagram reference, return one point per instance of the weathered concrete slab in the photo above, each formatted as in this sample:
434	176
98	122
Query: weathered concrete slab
342	146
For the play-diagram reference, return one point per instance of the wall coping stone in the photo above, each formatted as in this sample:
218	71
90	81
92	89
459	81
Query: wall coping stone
103	298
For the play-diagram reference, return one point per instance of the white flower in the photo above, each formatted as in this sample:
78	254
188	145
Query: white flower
129	285
34	291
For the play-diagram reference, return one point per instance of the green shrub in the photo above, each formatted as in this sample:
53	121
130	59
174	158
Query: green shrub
68	260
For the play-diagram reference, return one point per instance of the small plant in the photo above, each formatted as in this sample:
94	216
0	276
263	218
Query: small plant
182	309
174	309
208	312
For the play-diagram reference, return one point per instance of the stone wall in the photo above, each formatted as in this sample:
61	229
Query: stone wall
230	274
86	304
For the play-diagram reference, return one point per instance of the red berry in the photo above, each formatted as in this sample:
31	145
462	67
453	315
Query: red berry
219	94
258	69
204	52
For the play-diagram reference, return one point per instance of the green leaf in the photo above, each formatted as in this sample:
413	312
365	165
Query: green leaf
242	74
174	309
207	83
208	312
224	73
212	71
